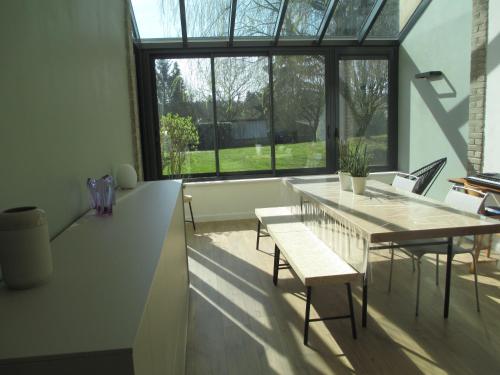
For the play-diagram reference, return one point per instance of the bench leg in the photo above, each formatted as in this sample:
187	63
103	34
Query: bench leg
258	235
306	319
364	307
351	310
276	264
192	217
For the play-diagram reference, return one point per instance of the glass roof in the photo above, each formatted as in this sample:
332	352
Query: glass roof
256	18
272	21
204	21
157	19
393	18
348	18
303	18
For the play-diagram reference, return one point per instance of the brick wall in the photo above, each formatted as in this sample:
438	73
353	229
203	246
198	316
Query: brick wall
477	98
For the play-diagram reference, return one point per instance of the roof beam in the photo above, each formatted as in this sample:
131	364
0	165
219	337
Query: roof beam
281	19
326	20
182	9
135	29
234	3
413	19
370	20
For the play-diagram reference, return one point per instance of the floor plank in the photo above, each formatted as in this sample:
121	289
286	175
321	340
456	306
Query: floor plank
240	323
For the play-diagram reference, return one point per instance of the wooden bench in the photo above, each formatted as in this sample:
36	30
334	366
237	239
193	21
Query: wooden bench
270	215
314	262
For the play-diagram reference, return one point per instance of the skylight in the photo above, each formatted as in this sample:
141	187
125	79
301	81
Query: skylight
274	21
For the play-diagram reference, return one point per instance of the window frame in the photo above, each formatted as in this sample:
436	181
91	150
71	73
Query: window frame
149	117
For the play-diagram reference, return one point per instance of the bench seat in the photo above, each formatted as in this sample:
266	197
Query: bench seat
314	262
281	219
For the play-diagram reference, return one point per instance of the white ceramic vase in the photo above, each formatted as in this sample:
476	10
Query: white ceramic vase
345	181
25	255
126	176
359	185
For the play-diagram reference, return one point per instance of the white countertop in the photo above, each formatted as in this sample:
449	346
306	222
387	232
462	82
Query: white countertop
103	270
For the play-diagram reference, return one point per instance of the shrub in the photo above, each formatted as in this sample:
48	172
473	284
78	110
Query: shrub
178	135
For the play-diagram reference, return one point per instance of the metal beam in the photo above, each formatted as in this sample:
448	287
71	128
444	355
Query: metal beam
326	20
135	29
413	19
281	19
234	3
370	20
182	9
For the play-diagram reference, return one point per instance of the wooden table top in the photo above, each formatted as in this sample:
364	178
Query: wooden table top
385	214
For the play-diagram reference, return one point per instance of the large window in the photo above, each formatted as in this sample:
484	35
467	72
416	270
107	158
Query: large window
184	89
364	105
270	112
243	129
299	111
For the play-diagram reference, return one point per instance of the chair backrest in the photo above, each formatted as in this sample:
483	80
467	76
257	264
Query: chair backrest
460	198
405	182
427	175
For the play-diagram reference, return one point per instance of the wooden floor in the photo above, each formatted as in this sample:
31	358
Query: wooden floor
240	323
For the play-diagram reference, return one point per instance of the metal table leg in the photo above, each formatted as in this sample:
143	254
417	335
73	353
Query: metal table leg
364	308
449	260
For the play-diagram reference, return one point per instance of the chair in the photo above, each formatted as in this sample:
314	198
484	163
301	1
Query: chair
458	198
427	175
405	181
188	199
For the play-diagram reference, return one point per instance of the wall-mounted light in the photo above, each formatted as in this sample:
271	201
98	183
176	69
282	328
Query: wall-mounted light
433	74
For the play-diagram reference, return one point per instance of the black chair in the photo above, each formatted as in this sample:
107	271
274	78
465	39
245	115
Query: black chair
427	175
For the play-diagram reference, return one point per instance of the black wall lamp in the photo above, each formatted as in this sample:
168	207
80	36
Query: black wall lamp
433	74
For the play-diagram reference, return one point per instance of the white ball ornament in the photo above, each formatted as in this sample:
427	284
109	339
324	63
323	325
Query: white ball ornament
126	176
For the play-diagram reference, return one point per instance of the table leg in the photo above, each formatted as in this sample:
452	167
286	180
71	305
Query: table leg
364	308
449	260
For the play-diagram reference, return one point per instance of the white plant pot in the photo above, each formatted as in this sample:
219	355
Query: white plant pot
25	255
345	181
358	185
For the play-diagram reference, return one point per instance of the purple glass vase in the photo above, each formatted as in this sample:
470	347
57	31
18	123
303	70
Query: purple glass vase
101	195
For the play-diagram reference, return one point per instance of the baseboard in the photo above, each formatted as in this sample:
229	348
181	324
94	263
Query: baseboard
225	217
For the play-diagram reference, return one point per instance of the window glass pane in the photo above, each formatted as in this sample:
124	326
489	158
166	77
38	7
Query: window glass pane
241	85
184	89
406	10
363	105
157	18
256	18
207	18
348	18
303	18
393	18
299	111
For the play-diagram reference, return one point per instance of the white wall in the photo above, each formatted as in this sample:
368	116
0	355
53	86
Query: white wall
238	199
434	114
492	115
64	102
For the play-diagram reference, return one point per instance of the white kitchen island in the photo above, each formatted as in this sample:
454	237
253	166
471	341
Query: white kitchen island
118	299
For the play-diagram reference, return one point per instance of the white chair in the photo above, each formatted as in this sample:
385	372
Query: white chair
405	181
459	198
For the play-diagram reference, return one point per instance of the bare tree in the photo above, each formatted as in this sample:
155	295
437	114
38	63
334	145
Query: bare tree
364	84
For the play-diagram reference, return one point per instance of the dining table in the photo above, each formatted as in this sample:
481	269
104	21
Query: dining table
383	217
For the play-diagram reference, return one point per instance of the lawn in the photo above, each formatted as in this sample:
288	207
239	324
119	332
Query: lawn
257	158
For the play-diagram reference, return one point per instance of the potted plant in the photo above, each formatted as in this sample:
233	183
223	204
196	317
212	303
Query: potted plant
344	165
359	168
